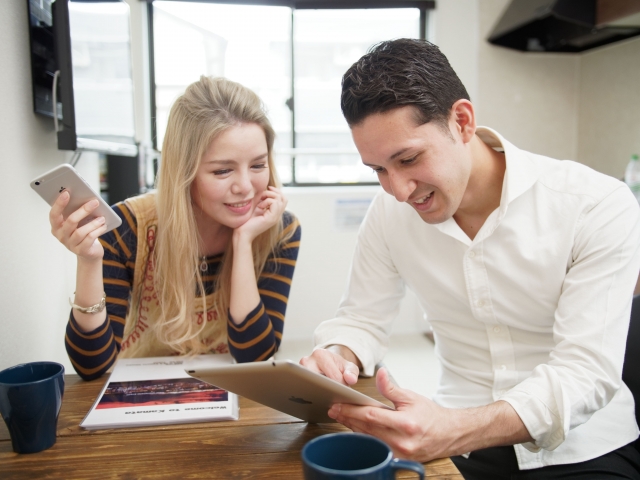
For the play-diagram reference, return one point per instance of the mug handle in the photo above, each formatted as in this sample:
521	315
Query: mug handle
398	464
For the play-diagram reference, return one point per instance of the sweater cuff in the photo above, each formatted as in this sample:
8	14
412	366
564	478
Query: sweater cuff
251	317
254	338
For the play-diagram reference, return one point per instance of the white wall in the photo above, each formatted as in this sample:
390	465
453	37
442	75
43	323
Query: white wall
454	28
609	109
324	260
37	272
530	98
583	107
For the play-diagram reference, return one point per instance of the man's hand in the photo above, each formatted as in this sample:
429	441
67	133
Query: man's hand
411	430
336	362
421	430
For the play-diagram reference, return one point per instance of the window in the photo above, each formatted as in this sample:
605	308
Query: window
293	57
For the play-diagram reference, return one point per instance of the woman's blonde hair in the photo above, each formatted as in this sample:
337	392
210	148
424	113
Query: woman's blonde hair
207	108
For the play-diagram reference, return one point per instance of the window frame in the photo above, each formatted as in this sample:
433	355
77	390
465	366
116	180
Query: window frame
424	6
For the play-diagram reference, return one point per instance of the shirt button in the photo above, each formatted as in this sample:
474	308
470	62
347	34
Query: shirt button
480	303
501	392
497	329
472	254
503	367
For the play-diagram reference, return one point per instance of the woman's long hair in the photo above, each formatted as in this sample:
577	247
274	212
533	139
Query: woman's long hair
207	108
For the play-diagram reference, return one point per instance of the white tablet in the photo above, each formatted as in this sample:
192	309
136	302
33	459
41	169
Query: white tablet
285	386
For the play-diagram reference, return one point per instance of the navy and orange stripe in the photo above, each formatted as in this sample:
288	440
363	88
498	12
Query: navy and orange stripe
255	339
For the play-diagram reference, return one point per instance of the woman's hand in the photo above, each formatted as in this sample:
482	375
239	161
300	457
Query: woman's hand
244	291
266	215
82	241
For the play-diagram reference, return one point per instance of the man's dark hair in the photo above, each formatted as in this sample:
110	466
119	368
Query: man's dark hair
397	73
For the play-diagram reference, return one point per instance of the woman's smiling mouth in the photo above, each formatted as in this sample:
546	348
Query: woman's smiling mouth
239	208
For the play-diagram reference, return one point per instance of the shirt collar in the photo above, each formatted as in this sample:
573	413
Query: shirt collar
521	170
520	175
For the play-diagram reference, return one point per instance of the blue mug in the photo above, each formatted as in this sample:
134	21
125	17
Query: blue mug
30	401
352	456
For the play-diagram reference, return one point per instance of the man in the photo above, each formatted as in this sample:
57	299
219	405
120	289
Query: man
524	264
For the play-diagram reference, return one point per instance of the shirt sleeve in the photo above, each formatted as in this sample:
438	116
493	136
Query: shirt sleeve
591	322
93	353
258	336
372	301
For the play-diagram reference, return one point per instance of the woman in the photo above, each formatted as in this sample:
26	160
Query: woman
202	265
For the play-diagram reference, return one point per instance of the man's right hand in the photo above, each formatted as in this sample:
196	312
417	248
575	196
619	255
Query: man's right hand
336	362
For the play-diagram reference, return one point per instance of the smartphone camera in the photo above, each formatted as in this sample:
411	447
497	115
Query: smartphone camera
37	183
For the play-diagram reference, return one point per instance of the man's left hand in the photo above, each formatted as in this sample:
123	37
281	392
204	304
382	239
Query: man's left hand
418	429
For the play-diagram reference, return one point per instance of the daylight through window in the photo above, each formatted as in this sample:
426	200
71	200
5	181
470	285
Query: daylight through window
293	59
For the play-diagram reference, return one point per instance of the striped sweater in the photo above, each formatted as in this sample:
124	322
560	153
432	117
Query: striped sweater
256	338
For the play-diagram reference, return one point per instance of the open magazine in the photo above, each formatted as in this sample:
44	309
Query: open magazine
156	391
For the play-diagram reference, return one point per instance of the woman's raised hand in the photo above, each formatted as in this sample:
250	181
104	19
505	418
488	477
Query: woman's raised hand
265	215
80	240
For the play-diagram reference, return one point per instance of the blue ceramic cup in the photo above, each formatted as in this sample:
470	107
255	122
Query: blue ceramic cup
352	456
30	400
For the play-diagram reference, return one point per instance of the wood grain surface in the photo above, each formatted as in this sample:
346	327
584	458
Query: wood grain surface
262	444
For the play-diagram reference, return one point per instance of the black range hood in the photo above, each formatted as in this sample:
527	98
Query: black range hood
566	25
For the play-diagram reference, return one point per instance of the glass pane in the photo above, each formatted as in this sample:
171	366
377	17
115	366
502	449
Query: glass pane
102	79
248	44
320	61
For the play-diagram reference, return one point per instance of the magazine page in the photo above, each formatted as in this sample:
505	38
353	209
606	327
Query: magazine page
157	390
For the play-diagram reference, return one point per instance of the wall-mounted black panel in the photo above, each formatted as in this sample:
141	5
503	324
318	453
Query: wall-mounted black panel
84	48
43	61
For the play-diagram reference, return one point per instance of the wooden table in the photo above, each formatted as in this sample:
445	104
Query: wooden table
263	444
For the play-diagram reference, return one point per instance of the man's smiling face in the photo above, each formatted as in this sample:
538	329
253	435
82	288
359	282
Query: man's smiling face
427	166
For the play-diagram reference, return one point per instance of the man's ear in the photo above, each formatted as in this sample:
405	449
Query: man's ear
463	119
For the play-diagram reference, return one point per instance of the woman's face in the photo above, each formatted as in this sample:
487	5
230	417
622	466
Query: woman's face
233	174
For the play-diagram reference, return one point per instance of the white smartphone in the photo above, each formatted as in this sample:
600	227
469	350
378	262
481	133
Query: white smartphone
64	177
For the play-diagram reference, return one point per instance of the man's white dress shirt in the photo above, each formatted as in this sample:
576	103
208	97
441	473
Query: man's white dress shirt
533	311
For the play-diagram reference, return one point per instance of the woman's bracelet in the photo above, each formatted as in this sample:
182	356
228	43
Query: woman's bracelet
97	308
